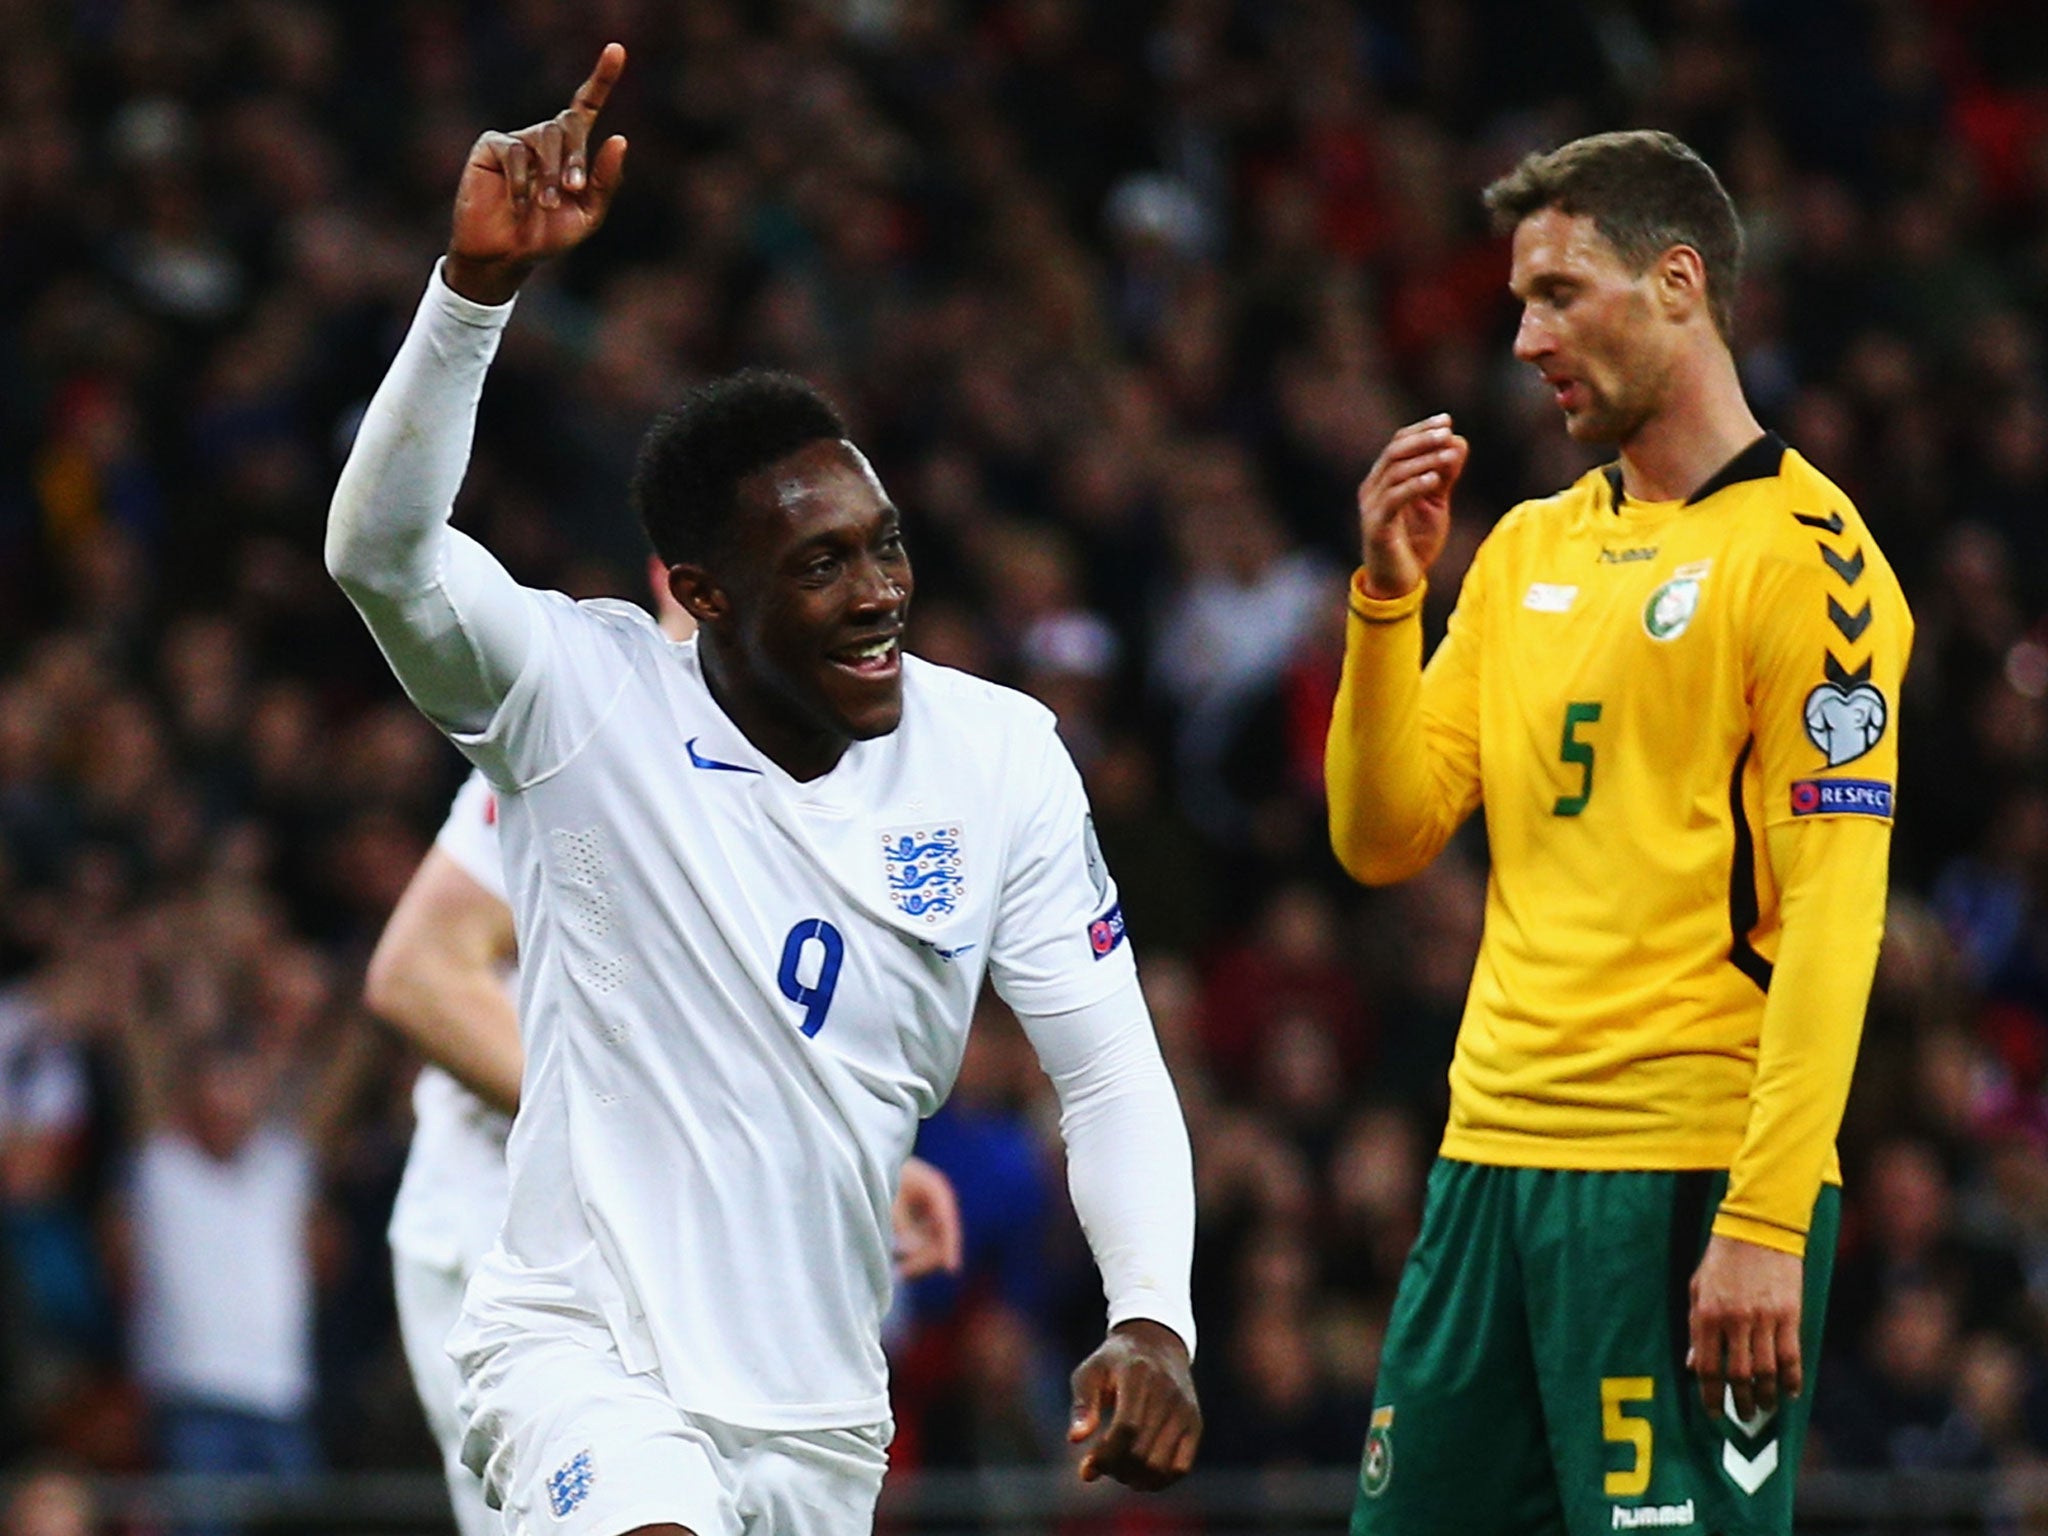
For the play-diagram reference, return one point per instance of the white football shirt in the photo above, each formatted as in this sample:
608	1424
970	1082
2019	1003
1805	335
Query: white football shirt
451	1200
740	993
239	1333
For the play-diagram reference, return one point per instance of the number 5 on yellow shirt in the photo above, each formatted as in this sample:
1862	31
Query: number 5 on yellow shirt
1580	752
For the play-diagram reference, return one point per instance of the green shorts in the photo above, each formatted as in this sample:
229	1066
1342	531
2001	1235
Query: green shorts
1534	1374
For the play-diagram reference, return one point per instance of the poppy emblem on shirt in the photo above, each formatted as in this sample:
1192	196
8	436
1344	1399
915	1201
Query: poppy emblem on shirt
569	1484
1107	931
925	868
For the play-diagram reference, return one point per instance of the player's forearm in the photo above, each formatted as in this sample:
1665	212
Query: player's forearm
392	501
1129	1168
448	618
1833	899
1388	820
460	1019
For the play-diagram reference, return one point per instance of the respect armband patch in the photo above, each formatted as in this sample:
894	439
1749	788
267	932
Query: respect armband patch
1842	797
1107	931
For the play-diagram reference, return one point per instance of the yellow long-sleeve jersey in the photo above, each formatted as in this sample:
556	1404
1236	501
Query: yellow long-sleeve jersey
1681	720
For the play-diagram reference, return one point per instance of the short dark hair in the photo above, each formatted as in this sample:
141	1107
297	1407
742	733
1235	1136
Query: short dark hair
1645	191
693	458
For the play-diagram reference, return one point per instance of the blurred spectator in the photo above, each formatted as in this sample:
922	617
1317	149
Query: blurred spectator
57	1293
1003	1403
1239	603
1897	1407
231	1128
50	1503
1910	1240
1287	974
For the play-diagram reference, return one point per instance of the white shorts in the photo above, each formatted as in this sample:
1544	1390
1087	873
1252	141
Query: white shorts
429	1298
568	1443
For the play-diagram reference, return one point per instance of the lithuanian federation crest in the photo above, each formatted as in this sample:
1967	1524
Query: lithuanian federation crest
1671	607
925	870
1377	1470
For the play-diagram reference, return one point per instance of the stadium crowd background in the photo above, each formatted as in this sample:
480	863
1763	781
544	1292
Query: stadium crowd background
1123	299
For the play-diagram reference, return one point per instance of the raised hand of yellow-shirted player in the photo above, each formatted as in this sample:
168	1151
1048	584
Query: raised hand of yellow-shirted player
536	193
1404	504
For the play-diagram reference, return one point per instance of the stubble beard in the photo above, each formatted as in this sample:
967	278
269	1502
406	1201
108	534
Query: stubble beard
1607	422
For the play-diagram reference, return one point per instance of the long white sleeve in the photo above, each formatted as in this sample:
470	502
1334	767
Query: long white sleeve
449	619
1129	1167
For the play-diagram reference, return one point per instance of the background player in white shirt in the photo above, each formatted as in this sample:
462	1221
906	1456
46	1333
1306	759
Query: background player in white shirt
758	879
440	975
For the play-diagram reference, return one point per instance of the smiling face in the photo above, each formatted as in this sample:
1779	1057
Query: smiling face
1590	326
802	610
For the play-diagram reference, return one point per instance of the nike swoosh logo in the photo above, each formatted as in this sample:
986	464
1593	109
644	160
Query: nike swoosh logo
699	761
952	954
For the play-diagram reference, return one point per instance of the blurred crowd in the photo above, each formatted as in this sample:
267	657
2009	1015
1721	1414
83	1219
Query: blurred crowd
1122	300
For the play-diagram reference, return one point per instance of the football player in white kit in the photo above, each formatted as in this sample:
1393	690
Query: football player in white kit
440	977
758	879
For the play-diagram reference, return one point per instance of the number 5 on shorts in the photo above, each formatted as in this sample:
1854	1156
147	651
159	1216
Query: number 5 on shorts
1619	1428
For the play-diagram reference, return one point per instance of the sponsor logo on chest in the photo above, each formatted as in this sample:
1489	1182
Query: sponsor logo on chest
1549	597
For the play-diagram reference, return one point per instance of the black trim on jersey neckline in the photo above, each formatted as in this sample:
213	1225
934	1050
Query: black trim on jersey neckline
1744	910
1761	460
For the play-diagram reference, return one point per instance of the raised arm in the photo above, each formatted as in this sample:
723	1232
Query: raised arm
1402	763
450	621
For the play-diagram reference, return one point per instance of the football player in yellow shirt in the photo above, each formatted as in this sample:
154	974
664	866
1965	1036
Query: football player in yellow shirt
1672	687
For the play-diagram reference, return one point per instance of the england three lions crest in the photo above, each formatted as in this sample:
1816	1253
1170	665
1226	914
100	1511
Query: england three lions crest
926	870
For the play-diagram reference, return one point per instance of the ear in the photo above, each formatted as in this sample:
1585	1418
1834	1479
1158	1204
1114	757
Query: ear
701	595
1681	275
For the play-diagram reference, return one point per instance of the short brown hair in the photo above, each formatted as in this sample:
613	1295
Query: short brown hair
1645	192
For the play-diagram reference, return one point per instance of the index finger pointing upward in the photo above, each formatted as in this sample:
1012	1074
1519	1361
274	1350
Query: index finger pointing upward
592	93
